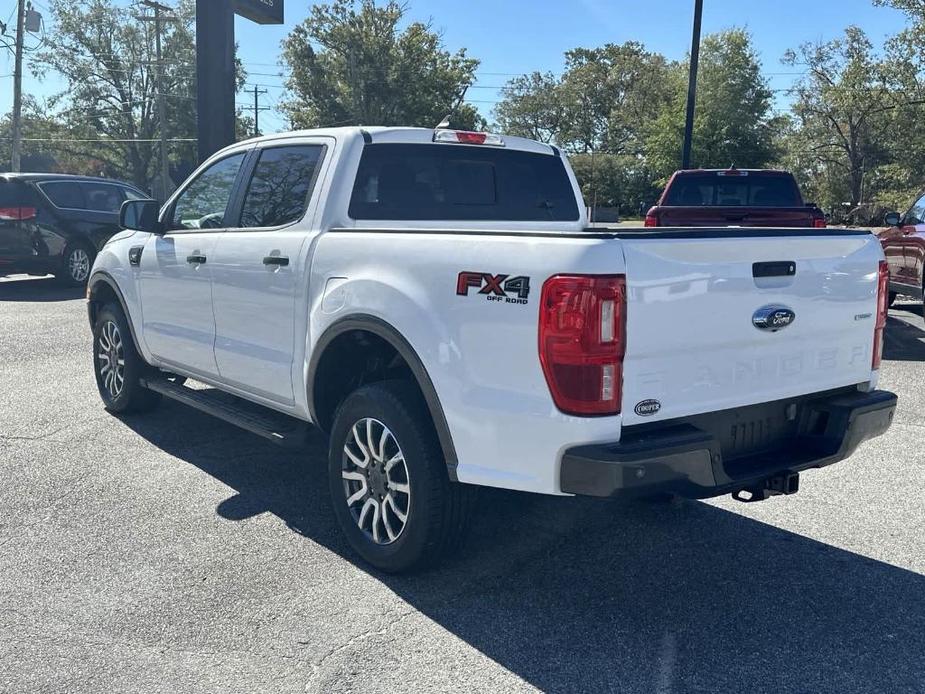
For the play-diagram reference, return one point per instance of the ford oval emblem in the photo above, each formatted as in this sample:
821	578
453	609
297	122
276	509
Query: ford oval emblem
647	408
773	318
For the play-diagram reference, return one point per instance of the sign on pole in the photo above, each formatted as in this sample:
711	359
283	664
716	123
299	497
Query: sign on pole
260	11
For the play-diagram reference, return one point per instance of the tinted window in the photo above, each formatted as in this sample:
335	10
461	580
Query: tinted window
67	194
752	190
457	182
916	213
279	189
132	194
102	197
202	205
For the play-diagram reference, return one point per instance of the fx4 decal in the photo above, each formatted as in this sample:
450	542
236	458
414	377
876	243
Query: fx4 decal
510	290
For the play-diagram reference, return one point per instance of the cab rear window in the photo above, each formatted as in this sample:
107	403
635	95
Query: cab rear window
746	190
461	183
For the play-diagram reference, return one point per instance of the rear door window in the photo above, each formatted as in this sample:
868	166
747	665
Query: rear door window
65	194
102	197
281	185
461	183
747	190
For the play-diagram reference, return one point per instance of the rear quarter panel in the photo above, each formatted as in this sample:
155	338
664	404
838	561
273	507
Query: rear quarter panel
481	354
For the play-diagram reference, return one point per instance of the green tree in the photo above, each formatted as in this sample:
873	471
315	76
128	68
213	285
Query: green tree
532	107
109	62
611	93
352	65
843	107
109	113
601	103
734	123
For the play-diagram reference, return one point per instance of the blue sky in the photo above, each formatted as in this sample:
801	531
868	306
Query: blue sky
517	36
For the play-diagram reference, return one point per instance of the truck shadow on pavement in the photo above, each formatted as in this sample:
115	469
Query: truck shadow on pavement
904	338
38	291
592	595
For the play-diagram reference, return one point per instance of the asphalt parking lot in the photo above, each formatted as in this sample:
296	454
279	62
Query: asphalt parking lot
172	552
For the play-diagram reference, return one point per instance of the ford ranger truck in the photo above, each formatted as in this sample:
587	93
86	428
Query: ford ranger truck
433	301
733	197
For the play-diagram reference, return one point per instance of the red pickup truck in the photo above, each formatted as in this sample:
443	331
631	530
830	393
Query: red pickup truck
733	197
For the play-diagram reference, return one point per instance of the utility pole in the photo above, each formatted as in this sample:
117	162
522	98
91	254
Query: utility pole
257	108
16	159
158	20
692	86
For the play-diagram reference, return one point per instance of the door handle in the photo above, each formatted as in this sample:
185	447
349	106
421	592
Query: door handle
278	260
196	259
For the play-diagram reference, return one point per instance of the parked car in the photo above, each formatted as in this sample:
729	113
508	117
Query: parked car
903	242
55	224
733	197
435	302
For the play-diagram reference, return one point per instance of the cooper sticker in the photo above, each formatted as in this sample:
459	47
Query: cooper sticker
647	408
500	288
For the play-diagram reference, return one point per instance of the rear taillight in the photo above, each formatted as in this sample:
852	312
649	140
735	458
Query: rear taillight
10	214
582	342
651	220
819	223
883	305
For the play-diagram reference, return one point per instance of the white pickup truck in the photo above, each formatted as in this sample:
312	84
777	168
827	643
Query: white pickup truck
435	302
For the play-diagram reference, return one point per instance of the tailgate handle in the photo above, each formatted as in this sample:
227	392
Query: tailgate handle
778	268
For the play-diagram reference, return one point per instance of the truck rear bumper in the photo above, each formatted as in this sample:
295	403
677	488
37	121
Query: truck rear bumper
723	452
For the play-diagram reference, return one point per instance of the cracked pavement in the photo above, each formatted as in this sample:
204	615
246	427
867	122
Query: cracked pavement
174	553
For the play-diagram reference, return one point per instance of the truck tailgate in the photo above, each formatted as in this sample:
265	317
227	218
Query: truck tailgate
693	297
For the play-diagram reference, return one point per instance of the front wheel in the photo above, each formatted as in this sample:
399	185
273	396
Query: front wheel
117	365
389	485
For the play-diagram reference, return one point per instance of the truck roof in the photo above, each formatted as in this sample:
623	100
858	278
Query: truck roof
393	134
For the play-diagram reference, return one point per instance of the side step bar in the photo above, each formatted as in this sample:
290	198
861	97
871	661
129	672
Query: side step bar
279	428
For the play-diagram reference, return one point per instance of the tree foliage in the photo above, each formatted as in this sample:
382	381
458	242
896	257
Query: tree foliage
108	59
352	65
626	105
108	115
858	144
733	122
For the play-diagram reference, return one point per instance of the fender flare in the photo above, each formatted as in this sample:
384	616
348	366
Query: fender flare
103	277
387	332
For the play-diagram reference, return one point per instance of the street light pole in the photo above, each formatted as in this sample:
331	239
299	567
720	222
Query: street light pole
692	86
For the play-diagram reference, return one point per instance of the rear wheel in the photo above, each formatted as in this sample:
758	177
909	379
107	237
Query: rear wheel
78	260
391	493
117	365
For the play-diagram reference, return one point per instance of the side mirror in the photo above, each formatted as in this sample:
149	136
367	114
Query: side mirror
141	215
892	219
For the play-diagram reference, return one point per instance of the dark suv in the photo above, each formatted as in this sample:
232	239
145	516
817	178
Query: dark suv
56	224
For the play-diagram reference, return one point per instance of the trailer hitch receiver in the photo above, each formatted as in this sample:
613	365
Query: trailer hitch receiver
784	483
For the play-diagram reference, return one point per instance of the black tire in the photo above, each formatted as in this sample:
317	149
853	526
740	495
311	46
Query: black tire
437	510
112	340
76	263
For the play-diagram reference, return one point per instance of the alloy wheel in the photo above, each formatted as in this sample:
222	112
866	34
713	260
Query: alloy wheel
376	483
111	355
78	265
